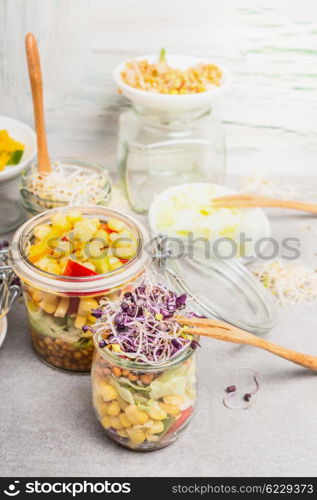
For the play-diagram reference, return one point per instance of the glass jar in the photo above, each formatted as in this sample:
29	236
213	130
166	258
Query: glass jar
157	150
143	407
99	193
58	306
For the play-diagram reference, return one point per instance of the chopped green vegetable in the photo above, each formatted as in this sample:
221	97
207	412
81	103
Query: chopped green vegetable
163	55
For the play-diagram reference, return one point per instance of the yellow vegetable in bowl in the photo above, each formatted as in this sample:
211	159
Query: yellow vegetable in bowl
11	151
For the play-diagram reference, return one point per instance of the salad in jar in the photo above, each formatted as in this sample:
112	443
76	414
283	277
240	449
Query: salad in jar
72	246
143	373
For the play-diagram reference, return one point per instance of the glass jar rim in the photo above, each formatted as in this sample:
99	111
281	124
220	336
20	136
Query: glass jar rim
127	364
69	161
89	285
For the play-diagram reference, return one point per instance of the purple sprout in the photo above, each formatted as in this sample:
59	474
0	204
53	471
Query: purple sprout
96	313
194	344
181	300
142	324
87	328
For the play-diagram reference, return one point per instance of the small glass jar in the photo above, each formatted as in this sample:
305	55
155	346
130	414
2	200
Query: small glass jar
157	150
99	194
58	306
143	407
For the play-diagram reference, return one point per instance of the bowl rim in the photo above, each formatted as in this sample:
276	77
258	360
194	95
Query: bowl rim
3	329
14	170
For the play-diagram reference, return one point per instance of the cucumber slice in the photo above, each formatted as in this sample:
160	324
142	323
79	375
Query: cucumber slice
15	157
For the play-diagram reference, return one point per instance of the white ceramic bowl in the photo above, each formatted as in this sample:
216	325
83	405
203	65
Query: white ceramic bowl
252	221
167	102
22	133
3	329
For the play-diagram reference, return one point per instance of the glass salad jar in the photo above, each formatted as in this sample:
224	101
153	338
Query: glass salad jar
59	306
71	182
159	149
143	407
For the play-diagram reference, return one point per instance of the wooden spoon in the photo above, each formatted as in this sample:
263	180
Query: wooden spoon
223	331
248	200
35	75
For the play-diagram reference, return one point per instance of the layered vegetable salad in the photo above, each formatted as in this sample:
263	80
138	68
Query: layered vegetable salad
144	374
72	245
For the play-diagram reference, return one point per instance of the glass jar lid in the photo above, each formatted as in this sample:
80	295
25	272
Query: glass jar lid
222	289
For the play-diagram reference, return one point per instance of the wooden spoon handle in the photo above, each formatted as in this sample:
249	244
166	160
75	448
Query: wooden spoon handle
294	356
35	75
263	201
236	336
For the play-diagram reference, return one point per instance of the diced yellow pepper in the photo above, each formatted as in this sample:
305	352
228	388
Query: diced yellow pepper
86	305
74	216
60	221
116	224
114	263
101	265
41	231
45	246
80	321
49	302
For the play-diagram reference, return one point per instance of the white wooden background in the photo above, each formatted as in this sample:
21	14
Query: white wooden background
270	111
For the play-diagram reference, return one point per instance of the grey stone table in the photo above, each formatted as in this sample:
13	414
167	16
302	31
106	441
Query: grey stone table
48	428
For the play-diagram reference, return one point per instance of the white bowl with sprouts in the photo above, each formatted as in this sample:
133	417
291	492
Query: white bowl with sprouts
173	102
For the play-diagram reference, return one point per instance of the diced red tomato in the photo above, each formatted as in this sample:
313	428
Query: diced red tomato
106	228
77	270
64	238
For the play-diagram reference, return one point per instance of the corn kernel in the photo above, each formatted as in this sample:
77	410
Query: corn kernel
135	415
106	421
107	391
137	436
113	408
115	422
125	422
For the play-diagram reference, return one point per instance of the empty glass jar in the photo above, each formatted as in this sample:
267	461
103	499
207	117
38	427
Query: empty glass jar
159	149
